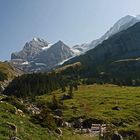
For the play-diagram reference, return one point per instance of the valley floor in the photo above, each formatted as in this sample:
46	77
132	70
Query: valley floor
119	106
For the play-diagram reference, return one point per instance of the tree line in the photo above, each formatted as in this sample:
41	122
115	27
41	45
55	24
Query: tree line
38	84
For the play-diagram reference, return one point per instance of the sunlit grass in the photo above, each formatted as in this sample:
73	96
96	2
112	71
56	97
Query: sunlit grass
97	101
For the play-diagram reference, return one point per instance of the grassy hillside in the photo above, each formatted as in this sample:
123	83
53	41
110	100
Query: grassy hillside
8	70
25	128
103	103
7	73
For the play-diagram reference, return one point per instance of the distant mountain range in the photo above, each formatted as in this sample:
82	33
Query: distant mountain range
39	55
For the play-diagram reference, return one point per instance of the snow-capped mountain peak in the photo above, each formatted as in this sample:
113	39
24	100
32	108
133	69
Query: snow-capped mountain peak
35	39
122	24
38	55
138	17
47	47
124	20
38	42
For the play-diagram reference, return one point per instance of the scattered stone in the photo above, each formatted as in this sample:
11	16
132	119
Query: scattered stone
66	124
1	88
59	131
12	126
21	122
58	120
58	112
15	138
33	109
65	97
116	136
116	108
78	123
88	130
15	110
20	112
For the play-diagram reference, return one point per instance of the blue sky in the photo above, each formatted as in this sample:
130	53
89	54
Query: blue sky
72	21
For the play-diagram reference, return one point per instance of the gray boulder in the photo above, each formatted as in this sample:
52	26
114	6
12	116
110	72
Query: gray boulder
59	131
116	136
15	138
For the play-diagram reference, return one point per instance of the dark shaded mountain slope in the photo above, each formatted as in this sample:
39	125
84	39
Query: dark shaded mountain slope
123	45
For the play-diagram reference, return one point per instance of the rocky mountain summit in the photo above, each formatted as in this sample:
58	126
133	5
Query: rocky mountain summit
30	49
39	55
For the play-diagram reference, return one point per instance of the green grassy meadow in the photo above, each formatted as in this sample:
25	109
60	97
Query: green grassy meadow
89	101
97	101
25	129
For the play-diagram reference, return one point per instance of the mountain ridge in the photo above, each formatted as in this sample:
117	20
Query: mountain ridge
39	55
123	45
122	24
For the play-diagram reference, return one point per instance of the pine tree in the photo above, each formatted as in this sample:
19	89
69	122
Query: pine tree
55	103
70	93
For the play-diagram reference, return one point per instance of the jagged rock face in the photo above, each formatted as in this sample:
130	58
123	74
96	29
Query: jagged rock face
53	56
39	55
122	24
30	50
